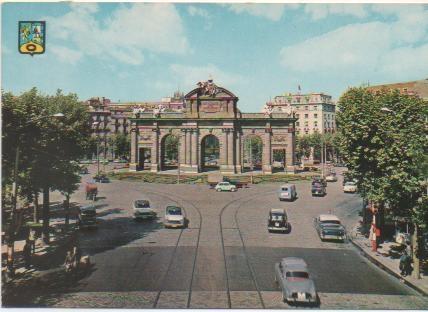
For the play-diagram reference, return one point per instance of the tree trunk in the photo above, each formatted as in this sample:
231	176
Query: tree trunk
36	207
46	215
415	253
67	210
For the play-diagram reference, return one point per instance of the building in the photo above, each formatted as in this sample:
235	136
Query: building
418	88
209	133
315	112
109	118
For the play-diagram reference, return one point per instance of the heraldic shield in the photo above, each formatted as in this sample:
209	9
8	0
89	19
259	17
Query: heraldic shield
32	37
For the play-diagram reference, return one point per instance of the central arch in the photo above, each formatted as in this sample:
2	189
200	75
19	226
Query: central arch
253	153
169	152
210	153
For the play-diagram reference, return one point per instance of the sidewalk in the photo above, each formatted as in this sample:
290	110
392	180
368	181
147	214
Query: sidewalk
45	258
382	259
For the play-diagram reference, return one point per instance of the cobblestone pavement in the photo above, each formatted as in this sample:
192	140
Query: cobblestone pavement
224	258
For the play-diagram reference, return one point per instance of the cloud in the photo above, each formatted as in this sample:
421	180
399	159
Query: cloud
195	11
321	11
362	51
65	54
272	12
188	76
130	30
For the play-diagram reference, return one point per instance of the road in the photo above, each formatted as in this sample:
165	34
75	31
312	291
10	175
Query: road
225	257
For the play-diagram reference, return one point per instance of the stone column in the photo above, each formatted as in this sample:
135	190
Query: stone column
290	153
134	149
223	149
230	149
267	153
194	142
188	148
182	150
155	151
238	160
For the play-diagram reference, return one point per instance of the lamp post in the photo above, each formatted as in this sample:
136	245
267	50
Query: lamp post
95	124
11	230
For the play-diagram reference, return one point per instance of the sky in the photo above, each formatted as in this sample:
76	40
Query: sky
146	51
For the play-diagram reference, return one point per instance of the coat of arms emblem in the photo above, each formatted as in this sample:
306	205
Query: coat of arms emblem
32	37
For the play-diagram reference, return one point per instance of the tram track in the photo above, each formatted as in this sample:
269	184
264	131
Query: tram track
247	199
183	204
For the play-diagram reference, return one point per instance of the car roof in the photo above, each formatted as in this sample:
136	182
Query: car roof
277	210
328	217
287	185
295	263
88	207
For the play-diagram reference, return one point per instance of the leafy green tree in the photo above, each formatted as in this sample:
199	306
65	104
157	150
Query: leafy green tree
171	147
253	146
303	147
384	143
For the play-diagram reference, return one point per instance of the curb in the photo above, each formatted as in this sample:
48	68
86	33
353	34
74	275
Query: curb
388	270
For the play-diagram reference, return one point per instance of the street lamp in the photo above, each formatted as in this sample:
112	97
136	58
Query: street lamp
11	234
95	124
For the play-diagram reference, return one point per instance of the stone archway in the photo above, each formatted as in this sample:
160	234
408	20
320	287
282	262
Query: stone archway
210	153
252	153
169	152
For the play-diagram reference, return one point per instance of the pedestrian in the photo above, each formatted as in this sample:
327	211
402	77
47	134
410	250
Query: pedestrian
68	263
27	254
405	264
32	240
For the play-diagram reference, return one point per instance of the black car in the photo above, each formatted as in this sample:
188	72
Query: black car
104	179
319	179
278	221
318	189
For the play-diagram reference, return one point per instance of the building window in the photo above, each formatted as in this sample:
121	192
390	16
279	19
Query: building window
315	107
315	115
315	123
297	115
306	107
306	123
306	115
306	132
297	123
297	132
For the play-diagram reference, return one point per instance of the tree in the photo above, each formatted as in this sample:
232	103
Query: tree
253	148
47	147
171	147
385	142
303	147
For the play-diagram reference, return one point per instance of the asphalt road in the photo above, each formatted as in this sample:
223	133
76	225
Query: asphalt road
225	257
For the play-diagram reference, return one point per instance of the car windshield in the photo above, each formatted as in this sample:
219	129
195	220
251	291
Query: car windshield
142	204
350	183
297	274
331	225
173	211
277	216
330	222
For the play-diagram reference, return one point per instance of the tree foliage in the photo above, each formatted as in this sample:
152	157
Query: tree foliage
384	143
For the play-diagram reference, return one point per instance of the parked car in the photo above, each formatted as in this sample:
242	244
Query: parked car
278	221
142	210
329	227
331	177
174	217
104	179
225	186
287	192
292	276
318	189
87	217
350	187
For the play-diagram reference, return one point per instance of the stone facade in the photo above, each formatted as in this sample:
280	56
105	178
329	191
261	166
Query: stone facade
210	111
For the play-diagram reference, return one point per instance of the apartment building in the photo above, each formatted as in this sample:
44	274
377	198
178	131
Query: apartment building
316	111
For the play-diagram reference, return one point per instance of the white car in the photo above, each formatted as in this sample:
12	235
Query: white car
350	187
174	217
225	186
142	210
331	177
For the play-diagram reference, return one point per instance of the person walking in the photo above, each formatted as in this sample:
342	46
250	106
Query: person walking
32	240
405	265
27	254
